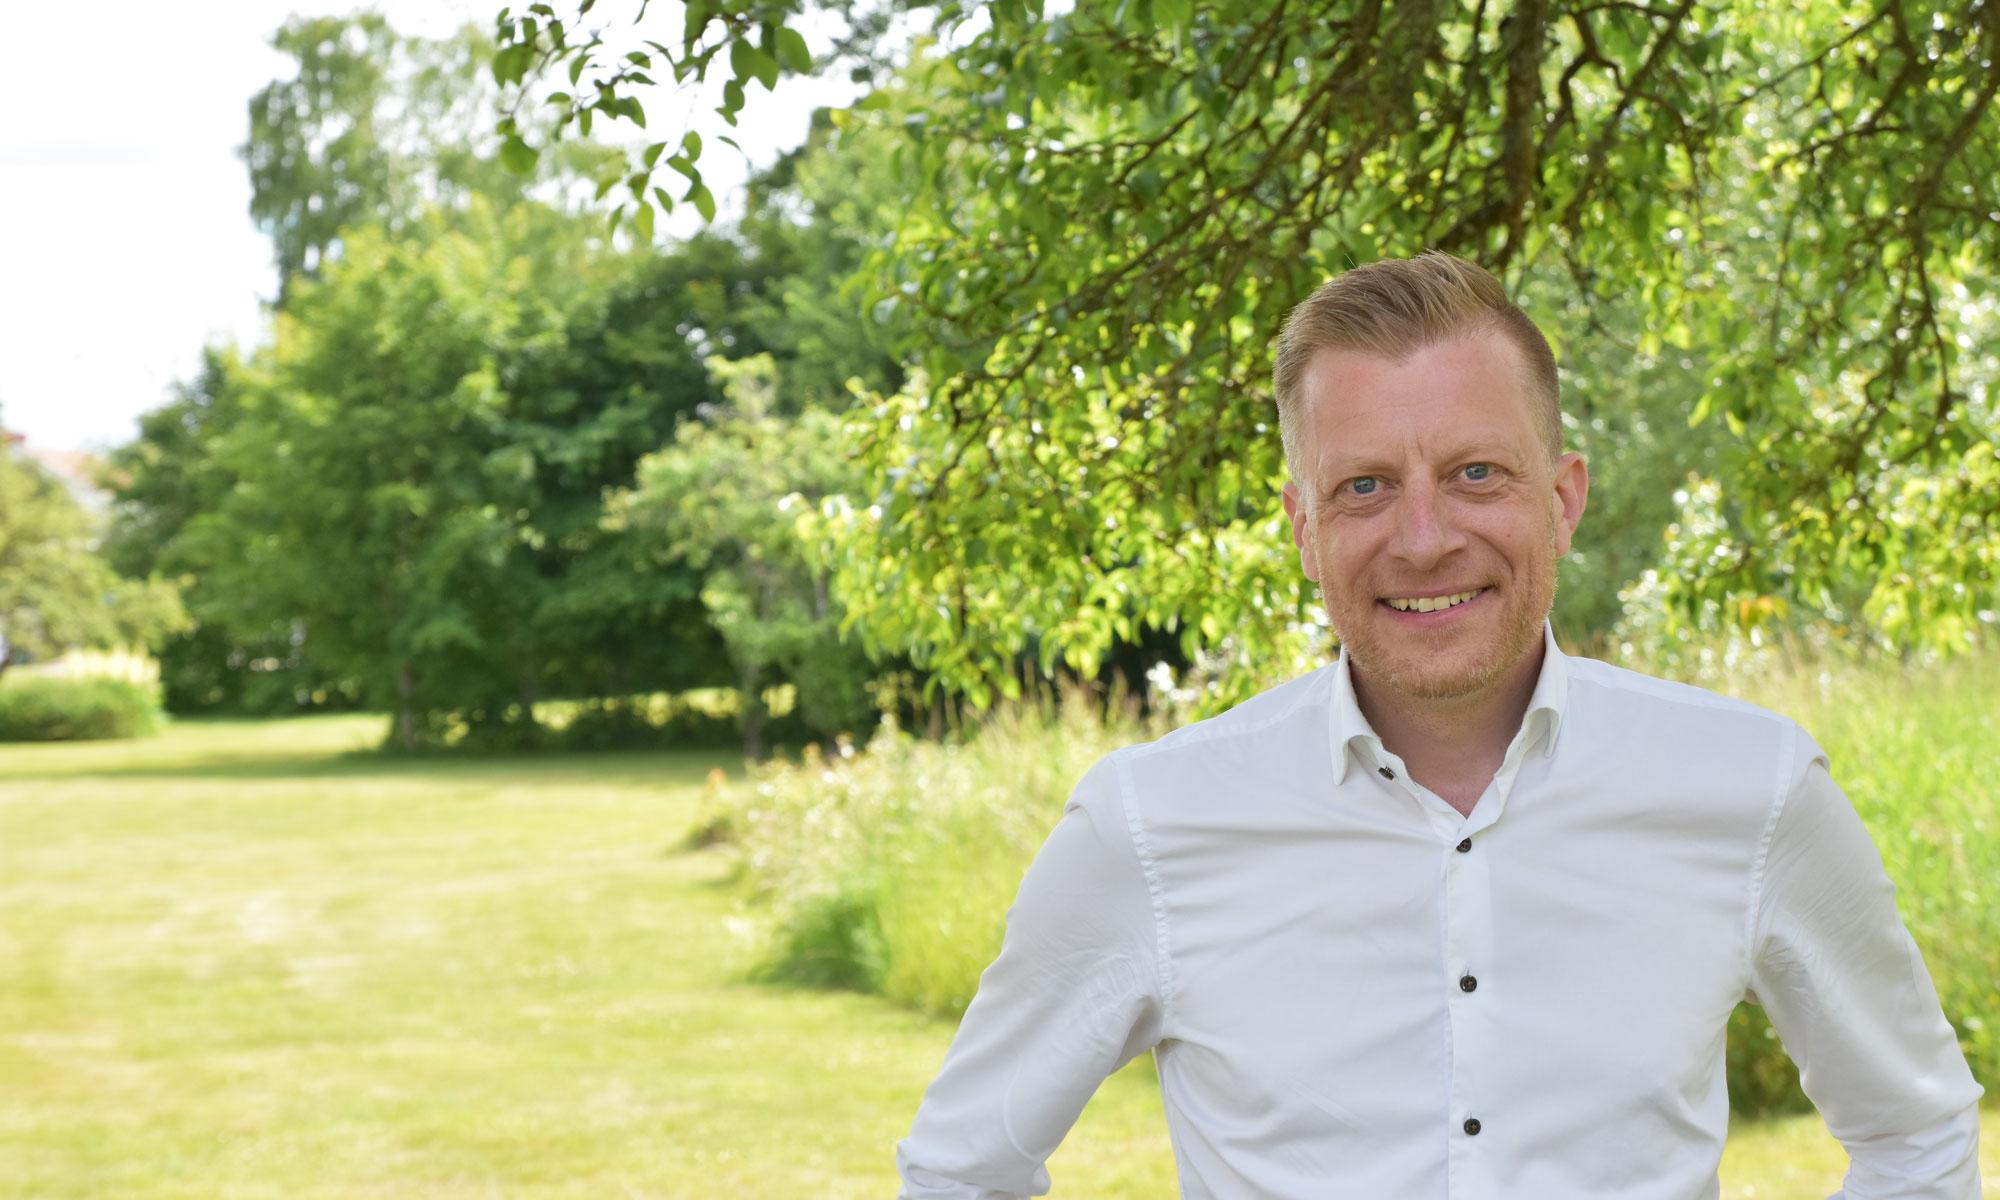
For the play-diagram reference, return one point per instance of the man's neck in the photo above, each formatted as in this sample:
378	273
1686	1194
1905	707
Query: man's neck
1452	746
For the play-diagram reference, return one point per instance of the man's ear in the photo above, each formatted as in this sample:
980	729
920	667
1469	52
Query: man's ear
1572	492
1295	508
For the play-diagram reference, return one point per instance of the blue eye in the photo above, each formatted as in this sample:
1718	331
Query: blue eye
1359	480
1484	470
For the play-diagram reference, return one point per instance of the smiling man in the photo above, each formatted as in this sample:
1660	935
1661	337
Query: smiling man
1458	914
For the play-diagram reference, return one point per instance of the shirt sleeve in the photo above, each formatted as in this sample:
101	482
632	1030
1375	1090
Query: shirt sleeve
1072	996
1846	989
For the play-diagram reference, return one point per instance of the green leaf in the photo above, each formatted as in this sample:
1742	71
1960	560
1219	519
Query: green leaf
703	200
642	220
762	65
518	156
793	50
510	63
691	145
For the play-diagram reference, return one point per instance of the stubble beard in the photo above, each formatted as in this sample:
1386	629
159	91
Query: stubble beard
1522	619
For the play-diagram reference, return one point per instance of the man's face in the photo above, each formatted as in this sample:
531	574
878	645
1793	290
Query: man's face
1431	481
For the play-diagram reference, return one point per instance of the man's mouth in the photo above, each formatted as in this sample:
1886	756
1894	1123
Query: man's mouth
1430	604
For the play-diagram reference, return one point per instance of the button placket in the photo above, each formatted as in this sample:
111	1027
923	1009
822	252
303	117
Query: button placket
1466	963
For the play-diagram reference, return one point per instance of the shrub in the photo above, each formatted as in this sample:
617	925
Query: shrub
46	708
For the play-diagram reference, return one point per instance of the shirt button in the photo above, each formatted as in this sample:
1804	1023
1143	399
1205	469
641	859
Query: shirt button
1466	983
1465	846
1472	1126
1386	772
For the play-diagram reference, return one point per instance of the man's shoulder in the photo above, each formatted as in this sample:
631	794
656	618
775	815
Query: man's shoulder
1271	713
1605	683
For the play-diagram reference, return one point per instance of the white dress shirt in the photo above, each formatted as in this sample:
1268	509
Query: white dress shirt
1352	990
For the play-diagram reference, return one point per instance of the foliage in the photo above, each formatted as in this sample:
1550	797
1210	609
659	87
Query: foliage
56	592
1115	212
161	481
719	499
54	708
370	128
417	468
761	41
491	369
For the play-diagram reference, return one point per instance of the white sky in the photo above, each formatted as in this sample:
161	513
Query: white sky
125	236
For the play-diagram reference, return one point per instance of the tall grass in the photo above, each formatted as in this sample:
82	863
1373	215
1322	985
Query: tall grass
889	870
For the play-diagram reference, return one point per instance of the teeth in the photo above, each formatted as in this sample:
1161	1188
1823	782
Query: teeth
1432	603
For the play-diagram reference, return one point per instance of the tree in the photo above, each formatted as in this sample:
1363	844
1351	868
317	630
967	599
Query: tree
761	43
1112	208
372	127
56	592
1115	216
161	481
721	499
376	497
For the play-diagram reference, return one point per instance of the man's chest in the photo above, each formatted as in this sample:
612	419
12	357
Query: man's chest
1369	979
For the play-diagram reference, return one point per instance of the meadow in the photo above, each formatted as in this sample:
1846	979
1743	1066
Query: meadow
254	959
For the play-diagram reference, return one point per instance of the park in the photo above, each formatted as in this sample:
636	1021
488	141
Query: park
564	708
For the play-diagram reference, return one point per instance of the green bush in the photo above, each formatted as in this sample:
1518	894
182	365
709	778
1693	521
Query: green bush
890	871
54	709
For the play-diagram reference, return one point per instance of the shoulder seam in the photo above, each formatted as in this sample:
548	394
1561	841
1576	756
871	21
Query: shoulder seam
1702	698
1193	735
1163	967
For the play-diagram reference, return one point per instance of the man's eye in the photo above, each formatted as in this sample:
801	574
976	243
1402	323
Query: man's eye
1363	485
1483	471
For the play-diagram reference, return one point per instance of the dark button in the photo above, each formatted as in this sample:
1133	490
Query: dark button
1465	845
1472	1126
1466	983
1386	772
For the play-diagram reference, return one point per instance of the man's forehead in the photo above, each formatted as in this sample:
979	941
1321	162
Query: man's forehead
1441	399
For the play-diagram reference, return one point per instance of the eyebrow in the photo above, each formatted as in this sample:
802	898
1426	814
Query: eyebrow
1478	451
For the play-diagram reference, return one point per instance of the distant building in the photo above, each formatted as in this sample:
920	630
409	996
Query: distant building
76	469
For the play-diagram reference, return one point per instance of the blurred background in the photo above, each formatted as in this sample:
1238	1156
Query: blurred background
556	563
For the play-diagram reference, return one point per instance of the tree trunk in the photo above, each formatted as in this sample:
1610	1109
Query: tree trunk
406	713
752	721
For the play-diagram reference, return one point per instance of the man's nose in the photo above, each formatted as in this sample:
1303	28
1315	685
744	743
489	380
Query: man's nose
1426	529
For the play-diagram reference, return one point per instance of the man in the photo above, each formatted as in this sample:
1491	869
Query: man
1457	915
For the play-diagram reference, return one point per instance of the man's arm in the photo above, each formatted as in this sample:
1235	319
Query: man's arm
1846	989
1073	996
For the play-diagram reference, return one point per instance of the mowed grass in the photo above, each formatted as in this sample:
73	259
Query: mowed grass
248	960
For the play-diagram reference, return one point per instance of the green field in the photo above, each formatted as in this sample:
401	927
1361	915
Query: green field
246	960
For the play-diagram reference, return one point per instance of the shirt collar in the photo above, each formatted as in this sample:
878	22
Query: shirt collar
1350	726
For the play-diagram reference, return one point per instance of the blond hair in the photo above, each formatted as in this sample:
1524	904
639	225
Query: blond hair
1392	309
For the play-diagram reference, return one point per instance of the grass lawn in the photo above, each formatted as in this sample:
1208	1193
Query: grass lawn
241	960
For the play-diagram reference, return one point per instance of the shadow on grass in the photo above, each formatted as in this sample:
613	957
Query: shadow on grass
683	767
